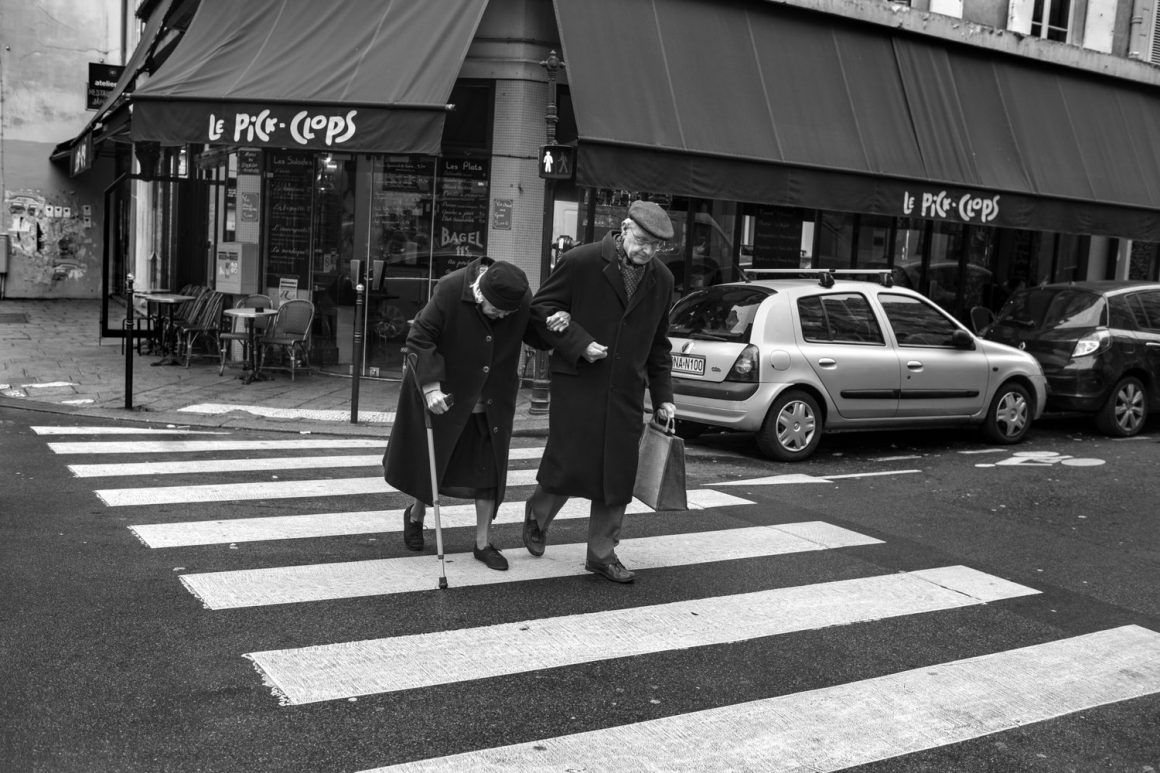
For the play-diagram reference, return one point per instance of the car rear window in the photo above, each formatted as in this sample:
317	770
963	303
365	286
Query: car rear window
721	313
1052	308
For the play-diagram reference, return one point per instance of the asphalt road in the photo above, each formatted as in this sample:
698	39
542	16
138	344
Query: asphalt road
120	653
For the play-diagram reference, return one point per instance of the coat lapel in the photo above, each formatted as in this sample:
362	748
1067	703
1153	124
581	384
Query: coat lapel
612	271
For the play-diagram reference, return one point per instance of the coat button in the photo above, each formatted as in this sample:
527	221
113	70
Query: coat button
495	430
488	339
486	369
490	401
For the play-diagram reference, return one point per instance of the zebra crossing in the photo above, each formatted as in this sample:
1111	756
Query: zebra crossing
826	729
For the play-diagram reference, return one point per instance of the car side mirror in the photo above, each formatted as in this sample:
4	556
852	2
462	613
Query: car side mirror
961	339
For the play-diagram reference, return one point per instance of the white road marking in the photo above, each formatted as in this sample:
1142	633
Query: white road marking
167	535
333	671
351	579
122	431
983	451
777	480
896	458
197	446
279	489
251	464
216	409
847	725
48	384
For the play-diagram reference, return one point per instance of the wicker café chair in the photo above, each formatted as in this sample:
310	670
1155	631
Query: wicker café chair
289	333
233	329
204	327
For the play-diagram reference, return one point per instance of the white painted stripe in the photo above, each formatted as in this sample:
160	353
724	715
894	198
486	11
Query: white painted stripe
217	409
853	724
168	535
778	480
333	671
121	431
251	464
48	384
282	489
320	582
190	446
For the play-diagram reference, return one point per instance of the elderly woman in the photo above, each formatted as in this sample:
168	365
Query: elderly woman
466	344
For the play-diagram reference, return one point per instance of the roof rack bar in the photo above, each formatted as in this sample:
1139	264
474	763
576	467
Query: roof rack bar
885	276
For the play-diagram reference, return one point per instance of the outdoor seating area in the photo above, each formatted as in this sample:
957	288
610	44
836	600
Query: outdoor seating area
248	333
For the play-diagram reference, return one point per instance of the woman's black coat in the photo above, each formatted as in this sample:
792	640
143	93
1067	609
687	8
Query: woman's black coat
473	358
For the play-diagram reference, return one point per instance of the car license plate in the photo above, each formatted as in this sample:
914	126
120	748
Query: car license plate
689	363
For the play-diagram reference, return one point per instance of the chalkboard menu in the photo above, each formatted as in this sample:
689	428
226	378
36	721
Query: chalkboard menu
777	238
289	184
461	230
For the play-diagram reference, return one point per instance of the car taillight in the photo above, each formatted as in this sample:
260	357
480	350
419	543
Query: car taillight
1092	343
745	366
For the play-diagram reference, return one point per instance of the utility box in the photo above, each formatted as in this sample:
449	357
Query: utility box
237	268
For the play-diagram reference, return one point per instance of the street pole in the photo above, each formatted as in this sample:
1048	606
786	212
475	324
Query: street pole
541	383
129	340
357	354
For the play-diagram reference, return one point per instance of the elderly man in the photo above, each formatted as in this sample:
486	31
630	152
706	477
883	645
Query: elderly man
618	298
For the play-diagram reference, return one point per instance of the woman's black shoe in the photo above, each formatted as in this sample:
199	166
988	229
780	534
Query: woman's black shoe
490	556
412	532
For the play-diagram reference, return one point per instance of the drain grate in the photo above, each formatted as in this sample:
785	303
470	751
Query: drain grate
14	319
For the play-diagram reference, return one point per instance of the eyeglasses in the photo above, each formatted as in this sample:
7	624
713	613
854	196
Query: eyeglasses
645	243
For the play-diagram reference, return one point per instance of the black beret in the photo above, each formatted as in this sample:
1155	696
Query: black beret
654	220
504	285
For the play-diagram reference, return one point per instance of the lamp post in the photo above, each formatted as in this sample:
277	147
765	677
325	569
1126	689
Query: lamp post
540	382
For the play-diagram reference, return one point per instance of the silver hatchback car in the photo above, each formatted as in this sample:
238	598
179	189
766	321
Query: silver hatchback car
796	354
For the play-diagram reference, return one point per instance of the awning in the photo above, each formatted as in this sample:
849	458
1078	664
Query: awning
107	120
360	75
766	103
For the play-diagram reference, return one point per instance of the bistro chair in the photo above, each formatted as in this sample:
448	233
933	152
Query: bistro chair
204	327
289	333
233	329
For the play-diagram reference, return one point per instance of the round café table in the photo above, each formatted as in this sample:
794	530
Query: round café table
249	315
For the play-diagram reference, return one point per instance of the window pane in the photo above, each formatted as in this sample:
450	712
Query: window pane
850	319
916	323
813	320
1150	302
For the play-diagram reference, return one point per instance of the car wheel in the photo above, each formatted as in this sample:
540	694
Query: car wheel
1009	416
792	428
1126	409
689	430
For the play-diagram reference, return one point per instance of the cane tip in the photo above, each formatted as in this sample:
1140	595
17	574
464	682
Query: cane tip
442	583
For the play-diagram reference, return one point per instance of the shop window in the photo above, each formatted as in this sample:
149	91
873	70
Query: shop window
835	239
874	248
779	238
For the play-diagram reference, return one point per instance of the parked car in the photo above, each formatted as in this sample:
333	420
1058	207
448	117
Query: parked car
799	354
1098	343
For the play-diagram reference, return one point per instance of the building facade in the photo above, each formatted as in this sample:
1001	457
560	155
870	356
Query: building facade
966	146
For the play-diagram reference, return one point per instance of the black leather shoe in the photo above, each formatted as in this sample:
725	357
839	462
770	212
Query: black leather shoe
614	570
412	532
535	538
490	556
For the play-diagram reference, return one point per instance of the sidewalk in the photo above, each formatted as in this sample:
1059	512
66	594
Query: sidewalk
52	359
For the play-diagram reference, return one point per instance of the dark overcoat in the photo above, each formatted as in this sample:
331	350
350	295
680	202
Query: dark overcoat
595	417
474	359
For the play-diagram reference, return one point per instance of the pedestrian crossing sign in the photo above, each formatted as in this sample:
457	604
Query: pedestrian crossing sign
557	162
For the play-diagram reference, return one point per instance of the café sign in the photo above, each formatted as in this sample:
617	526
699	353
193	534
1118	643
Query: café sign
271	125
970	208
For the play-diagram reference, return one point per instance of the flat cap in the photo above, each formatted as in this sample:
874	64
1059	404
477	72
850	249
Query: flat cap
504	285
654	220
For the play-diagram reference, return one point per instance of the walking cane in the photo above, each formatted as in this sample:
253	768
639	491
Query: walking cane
411	357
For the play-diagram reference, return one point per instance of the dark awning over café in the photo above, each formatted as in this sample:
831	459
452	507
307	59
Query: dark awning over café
360	75
760	102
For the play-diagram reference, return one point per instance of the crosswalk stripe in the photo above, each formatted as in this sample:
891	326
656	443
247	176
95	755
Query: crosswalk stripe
351	579
124	431
188	446
853	724
196	466
280	489
168	535
797	477
333	671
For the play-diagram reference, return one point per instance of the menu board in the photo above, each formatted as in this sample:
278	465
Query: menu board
461	230
777	238
289	184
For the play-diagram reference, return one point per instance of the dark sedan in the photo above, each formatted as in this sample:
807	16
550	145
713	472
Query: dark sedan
1098	343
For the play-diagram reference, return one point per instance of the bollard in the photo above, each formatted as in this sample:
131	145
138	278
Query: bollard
357	351
130	325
